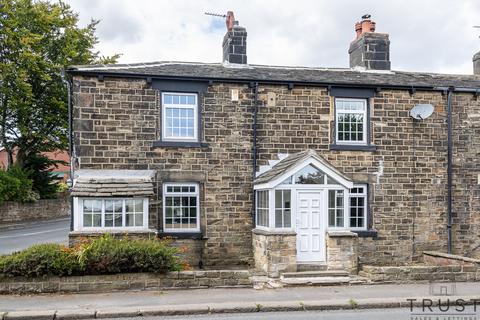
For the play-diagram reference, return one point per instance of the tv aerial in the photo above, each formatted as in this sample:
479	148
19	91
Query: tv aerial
421	111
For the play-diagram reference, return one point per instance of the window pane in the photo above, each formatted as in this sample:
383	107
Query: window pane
310	175
118	220
138	220
87	220
97	220
138	205
287	219
286	199
278	199
279	218
109	220
129	220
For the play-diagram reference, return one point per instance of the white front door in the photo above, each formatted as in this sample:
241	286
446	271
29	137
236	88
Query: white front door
310	226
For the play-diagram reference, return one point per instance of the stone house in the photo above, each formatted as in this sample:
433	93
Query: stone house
280	168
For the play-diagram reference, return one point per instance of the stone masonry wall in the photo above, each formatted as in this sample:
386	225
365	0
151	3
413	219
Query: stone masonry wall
342	251
128	281
41	209
408	202
116	122
274	252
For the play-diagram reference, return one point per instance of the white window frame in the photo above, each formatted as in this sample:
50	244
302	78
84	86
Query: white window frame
365	121
180	106
346	209
268	208
274	223
196	194
78	215
363	195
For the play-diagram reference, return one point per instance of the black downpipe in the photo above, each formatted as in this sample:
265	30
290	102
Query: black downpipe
449	169
254	147
70	140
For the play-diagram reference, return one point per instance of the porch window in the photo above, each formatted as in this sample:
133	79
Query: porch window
262	208
108	213
283	209
358	207
181	208
335	209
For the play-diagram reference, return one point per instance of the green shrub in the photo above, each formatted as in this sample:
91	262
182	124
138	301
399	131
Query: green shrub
15	185
105	255
40	260
110	255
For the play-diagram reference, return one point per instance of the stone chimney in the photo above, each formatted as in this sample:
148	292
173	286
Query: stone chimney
476	63
370	50
234	42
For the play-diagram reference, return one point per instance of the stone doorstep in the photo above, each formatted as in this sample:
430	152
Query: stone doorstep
315	274
315	281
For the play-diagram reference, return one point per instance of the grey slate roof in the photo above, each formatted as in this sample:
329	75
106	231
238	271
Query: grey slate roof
289	162
333	76
113	183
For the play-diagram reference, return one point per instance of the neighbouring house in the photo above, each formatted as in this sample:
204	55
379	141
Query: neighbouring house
280	167
61	171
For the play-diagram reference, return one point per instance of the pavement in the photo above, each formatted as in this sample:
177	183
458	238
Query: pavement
226	300
19	236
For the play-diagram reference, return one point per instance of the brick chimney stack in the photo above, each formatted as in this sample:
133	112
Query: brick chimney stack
369	50
234	41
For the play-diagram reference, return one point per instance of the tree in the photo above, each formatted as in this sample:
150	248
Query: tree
38	39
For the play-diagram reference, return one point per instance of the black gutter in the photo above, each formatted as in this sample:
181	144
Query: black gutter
449	170
254	148
262	81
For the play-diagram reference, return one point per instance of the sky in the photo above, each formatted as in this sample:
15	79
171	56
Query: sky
425	35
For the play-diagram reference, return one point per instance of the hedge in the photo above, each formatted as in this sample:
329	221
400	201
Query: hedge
105	255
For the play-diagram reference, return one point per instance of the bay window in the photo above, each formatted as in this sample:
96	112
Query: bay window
109	213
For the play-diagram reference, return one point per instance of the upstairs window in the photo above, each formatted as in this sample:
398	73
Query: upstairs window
179	117
351	121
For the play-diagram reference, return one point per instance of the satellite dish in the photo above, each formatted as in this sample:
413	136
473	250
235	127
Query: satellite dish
421	111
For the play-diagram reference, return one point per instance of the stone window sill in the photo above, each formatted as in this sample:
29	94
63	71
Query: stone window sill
366	233
273	232
179	144
345	147
182	235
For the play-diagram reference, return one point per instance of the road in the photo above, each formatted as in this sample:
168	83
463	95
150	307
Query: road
371	314
23	235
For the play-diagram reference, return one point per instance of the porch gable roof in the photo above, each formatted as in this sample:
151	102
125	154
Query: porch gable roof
295	162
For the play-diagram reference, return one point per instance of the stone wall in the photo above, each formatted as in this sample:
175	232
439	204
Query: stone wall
407	202
342	252
128	281
274	252
415	273
42	209
117	121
